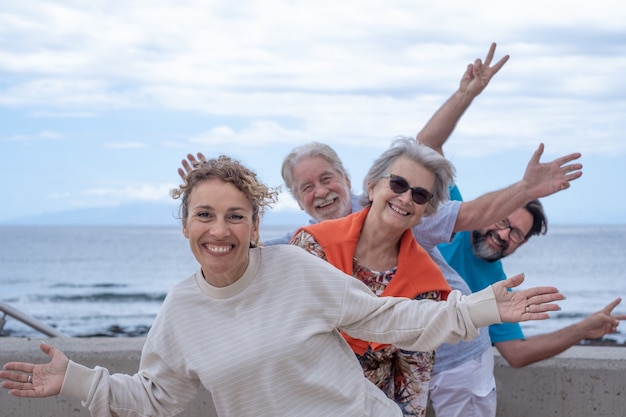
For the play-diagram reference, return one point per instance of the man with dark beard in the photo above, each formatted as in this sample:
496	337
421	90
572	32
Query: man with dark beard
476	257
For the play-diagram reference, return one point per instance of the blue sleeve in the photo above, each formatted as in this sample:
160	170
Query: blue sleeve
455	194
504	332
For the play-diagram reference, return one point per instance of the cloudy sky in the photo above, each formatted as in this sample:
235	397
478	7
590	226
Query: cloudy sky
101	99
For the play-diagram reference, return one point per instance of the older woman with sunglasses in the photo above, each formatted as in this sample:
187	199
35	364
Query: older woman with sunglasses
376	246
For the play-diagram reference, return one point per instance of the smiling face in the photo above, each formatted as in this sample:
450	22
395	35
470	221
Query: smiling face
322	192
398	211
220	227
491	244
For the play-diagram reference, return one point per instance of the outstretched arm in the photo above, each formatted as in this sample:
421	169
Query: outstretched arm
540	180
474	81
523	352
31	380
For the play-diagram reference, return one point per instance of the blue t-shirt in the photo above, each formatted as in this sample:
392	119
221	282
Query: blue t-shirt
478	274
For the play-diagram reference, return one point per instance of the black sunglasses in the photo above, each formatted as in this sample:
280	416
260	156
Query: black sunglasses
400	186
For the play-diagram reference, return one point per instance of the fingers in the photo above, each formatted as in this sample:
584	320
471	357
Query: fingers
17	377
47	349
610	306
568	158
187	166
535	316
573	176
492	50
572	167
185	170
19	366
542	294
544	302
513	281
192	159
572	171
19	389
469	73
544	307
537	154
494	70
191	162
560	161
537	307
500	64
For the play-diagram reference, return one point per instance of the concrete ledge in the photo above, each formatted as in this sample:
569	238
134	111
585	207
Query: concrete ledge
581	382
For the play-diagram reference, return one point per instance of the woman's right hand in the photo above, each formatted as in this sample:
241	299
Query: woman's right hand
36	380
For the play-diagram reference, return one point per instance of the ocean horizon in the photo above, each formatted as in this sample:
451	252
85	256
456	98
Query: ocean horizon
111	280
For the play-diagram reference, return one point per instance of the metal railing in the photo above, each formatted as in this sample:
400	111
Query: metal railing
28	320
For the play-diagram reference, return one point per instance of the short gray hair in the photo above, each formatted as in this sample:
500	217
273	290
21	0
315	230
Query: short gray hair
421	154
310	150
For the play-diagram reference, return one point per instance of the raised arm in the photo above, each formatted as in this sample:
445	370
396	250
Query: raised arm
523	352
540	180
474	81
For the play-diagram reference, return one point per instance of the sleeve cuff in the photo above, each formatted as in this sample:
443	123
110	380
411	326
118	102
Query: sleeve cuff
483	308
77	381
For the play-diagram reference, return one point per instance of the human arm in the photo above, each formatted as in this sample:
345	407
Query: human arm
105	394
432	323
474	80
523	352
540	180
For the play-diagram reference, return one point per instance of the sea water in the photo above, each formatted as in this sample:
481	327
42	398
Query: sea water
111	281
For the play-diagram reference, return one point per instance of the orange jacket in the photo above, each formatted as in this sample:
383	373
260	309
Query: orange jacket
416	272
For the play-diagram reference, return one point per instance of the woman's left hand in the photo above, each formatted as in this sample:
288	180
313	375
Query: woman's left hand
530	304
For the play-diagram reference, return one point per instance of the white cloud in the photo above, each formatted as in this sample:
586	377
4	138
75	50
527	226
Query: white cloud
286	203
45	135
259	133
141	192
51	135
253	74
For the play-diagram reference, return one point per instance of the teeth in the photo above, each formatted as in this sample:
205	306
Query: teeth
497	241
326	203
397	210
217	249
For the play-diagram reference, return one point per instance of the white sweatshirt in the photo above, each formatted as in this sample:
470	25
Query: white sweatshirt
268	344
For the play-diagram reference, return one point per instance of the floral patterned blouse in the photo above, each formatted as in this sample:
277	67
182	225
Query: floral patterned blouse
404	376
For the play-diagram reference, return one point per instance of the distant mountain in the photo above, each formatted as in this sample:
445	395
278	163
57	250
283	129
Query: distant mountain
138	214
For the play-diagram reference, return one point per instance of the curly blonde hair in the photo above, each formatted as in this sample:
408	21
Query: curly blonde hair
229	170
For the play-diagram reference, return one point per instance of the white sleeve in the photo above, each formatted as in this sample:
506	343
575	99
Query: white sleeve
120	395
416	325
